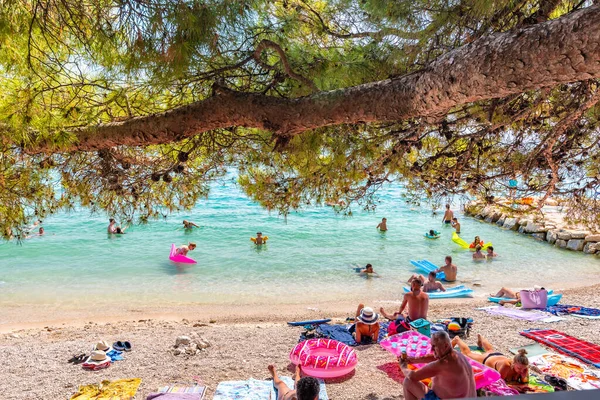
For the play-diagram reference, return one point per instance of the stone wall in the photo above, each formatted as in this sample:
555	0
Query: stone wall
575	240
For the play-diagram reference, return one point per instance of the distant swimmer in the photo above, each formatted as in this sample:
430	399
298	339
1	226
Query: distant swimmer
111	226
183	249
189	224
259	239
456	225
41	231
120	231
490	252
478	255
449	269
448	215
368	270
382	225
432	285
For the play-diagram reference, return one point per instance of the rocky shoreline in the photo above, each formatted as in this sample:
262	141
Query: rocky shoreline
555	233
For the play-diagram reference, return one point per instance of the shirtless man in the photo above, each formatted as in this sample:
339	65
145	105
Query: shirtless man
478	255
368	270
382	225
432	285
456	225
183	250
307	388
450	372
111	226
448	215
449	269
417	301
490	253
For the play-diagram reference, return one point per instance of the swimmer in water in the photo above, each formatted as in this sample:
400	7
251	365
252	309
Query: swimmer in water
382	225
478	255
189	224
259	239
368	270
184	249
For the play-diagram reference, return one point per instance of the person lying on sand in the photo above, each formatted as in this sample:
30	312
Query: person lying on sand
417	301
307	388
183	249
366	328
449	269
512	371
478	255
450	372
490	253
432	285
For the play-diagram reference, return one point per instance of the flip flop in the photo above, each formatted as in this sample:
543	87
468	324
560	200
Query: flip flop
77	359
118	346
127	346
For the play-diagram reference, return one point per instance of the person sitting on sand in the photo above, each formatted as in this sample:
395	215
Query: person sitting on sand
432	285
476	242
382	225
456	225
449	269
183	249
448	215
417	301
478	255
111	226
189	224
307	388
450	372
366	328
490	253
512	371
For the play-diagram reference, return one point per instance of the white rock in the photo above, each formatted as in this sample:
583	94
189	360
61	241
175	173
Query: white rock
185	340
524	222
561	243
579	235
177	351
593	238
551	237
563	235
191	349
590	248
203	344
511	223
534	228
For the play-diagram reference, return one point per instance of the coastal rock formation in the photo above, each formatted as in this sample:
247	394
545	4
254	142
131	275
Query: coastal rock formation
534	228
593	238
590	248
575	244
511	224
561	243
564	235
579	235
551	237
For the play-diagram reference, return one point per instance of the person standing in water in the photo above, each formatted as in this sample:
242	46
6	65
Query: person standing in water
382	225
448	215
259	239
478	255
111	226
184	249
490	253
189	224
456	225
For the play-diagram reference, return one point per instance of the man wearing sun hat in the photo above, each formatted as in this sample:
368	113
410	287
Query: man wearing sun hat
366	329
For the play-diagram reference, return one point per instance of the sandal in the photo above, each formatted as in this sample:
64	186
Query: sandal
78	359
118	346
127	346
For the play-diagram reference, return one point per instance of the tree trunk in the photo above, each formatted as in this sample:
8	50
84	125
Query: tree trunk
559	51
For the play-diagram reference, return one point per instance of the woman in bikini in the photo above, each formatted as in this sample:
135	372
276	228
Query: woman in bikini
515	371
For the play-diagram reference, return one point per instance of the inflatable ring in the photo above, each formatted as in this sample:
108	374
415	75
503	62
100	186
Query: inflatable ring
324	358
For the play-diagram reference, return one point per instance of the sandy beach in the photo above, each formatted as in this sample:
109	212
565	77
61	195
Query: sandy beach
244	340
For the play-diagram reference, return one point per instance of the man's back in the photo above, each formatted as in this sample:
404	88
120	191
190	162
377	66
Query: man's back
417	305
450	271
455	379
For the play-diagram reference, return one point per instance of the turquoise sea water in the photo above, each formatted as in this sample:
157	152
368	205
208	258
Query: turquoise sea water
308	257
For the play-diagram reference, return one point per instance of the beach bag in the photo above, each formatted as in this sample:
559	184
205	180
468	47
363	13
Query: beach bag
537	299
398	326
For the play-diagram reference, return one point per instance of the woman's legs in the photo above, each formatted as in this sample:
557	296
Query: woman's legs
466	351
484	344
282	388
505	292
359	309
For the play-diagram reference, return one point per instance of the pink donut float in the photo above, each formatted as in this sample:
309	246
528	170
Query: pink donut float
324	358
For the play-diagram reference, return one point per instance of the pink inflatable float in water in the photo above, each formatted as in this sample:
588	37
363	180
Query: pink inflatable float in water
179	258
324	358
415	344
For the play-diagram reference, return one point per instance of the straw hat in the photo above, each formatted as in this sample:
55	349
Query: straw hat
97	357
368	316
102	346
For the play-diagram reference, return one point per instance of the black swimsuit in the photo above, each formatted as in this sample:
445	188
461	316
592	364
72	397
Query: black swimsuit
491	355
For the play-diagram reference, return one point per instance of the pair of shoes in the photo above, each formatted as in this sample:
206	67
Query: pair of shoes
78	359
559	384
122	346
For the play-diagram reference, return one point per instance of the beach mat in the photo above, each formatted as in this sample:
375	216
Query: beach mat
119	389
568	345
515	313
533	350
577	375
585	312
252	389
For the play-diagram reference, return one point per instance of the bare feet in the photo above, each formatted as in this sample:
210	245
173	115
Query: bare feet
454	341
272	370
298	371
479	341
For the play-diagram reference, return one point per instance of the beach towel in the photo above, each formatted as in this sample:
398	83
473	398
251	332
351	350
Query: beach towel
562	309
341	333
196	389
533	350
251	389
498	388
568	345
577	375
536	385
290	383
175	396
515	313
115	355
121	389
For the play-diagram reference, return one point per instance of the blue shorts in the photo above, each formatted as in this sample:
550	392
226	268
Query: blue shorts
447	222
431	396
